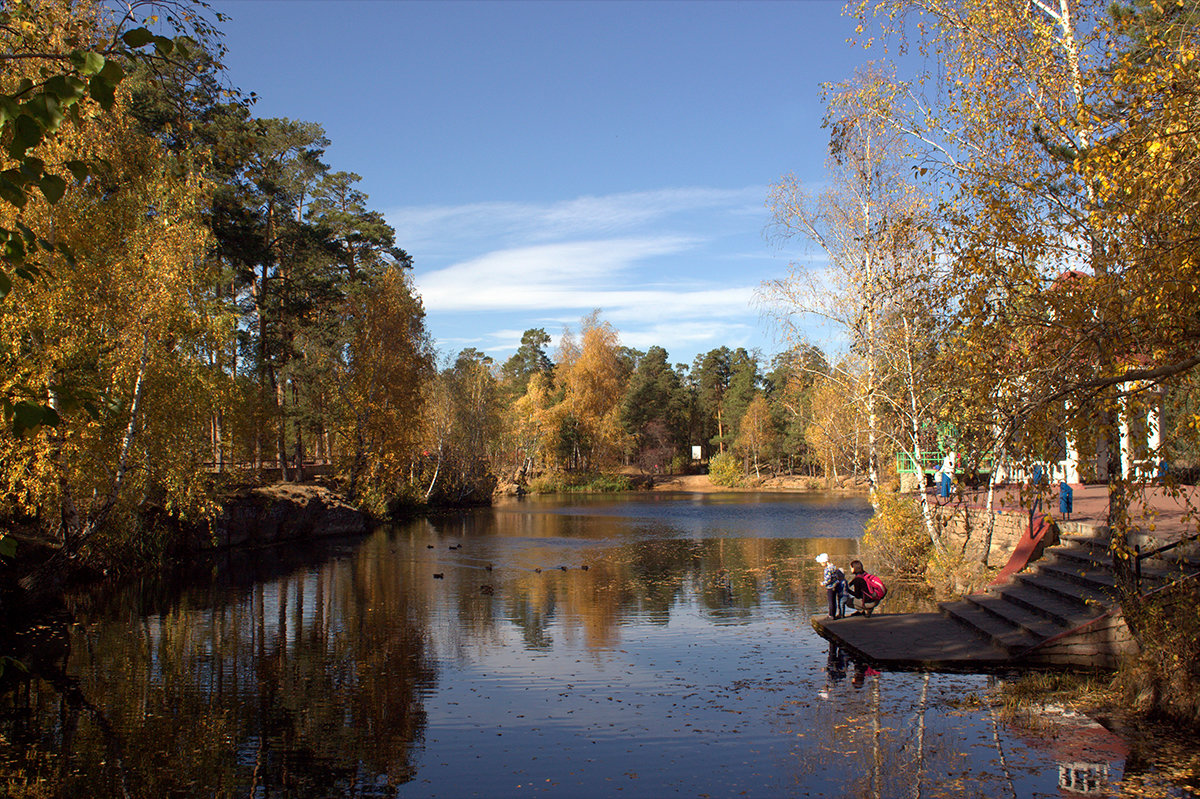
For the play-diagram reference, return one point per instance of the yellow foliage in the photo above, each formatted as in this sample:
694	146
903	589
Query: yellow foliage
121	326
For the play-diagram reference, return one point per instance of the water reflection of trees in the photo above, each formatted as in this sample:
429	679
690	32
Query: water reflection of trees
643	569
309	681
309	675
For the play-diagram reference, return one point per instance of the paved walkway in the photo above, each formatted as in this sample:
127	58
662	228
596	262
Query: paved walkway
1173	516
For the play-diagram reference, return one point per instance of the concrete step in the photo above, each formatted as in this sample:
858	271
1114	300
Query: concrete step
1178	559
1070	586
1087	555
1077	555
1037	625
1085	540
1010	626
1160	571
977	621
1053	600
1093	577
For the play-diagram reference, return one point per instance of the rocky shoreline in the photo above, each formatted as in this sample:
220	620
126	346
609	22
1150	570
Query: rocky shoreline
284	512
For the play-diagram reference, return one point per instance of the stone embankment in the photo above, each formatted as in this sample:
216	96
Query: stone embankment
284	512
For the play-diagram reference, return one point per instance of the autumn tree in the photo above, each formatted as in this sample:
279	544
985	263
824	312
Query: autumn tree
593	379
790	384
379	389
756	432
1065	140
864	221
119	326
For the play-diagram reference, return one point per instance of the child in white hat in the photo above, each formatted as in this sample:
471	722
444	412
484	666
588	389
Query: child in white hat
834	581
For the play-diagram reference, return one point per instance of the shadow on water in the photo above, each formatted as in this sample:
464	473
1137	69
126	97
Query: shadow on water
644	645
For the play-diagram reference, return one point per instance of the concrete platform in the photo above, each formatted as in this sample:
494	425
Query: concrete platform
909	641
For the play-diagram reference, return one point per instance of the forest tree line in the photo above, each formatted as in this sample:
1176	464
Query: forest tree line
192	291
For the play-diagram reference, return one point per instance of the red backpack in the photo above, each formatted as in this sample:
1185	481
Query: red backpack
876	590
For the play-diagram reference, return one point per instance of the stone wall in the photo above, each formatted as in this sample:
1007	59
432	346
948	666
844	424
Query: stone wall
1099	645
279	513
961	526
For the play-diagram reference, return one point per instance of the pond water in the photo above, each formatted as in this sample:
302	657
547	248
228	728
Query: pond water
640	645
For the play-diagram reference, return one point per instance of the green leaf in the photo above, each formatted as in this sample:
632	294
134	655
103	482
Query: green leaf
112	71
53	188
65	87
8	547
27	234
87	63
12	246
28	417
103	91
163	46
138	37
27	133
12	193
9	110
79	169
48	110
5	284
31	169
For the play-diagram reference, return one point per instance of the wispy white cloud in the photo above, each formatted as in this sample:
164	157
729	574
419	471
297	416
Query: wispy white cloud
506	224
676	267
540	277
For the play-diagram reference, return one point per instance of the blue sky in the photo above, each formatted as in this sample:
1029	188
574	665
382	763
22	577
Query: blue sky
542	159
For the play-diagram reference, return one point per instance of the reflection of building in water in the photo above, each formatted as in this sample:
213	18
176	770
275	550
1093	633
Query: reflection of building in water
1085	750
1084	779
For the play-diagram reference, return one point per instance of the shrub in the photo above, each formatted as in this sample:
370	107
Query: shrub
580	483
725	470
1162	678
896	534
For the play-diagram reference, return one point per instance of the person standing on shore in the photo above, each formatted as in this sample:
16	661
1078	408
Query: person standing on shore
834	581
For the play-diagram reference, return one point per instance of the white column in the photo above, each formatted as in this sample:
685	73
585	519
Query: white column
1126	440
1154	432
1071	464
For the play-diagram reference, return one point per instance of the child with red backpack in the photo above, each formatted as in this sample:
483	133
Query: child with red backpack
866	589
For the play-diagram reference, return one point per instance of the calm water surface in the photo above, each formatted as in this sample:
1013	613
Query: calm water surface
645	645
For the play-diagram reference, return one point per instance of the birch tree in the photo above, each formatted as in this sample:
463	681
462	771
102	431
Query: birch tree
862	222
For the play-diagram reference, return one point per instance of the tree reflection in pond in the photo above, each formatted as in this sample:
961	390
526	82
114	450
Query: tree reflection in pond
680	662
307	682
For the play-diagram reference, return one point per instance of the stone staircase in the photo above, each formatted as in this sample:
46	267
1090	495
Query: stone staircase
1063	609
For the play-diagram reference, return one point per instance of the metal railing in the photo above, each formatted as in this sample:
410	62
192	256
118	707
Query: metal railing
1139	556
